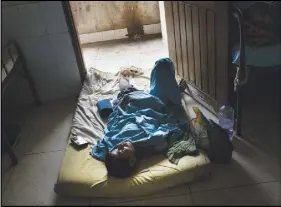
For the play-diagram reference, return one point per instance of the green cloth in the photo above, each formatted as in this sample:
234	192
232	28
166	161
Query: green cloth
185	146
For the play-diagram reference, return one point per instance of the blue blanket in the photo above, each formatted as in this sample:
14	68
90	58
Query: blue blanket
163	83
144	117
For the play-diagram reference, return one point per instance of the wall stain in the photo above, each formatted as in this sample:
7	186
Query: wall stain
97	16
131	15
88	8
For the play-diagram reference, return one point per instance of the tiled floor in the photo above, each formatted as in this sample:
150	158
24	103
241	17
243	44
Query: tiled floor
252	178
111	55
261	120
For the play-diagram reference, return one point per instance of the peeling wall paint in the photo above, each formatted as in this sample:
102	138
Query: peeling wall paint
97	16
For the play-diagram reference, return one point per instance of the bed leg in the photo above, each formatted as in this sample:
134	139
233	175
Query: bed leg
32	87
11	152
239	111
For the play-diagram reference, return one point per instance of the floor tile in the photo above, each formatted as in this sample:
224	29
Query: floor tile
111	64
182	200
249	165
71	201
265	134
31	20
6	171
151	44
32	182
274	134
259	194
111	55
178	190
48	128
19	114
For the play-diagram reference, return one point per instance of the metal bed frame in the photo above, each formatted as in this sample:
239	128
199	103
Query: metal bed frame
240	70
241	73
13	62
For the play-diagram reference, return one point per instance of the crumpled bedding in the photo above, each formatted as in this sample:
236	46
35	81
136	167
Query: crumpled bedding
149	117
144	118
98	85
83	176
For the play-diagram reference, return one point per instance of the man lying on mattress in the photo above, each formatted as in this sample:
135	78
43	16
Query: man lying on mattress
144	123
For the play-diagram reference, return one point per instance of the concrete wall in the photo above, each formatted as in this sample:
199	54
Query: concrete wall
41	30
98	16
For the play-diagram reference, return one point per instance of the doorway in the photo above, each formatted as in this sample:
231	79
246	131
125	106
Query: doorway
194	35
116	34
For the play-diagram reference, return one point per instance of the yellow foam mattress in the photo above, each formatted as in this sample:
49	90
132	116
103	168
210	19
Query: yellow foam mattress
82	175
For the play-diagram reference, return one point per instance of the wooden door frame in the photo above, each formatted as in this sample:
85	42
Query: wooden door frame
74	38
220	41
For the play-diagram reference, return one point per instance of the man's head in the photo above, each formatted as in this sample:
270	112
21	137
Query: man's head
121	161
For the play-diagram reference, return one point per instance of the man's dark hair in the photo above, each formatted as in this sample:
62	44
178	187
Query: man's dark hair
119	168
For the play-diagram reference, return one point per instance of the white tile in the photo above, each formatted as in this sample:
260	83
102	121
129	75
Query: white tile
84	38
32	182
107	35
64	78
260	194
89	56
149	58
182	200
157	28
13	3
95	37
39	55
31	20
120	34
43	76
249	165
37	49
53	17
11	22
135	60
111	62
148	29
48	128
151	45
110	56
68	78
62	47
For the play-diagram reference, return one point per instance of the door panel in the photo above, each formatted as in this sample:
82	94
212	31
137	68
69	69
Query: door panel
211	53
185	67
176	23
203	49
74	38
190	47
198	45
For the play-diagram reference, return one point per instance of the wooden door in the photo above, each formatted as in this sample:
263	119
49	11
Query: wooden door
197	37
74	38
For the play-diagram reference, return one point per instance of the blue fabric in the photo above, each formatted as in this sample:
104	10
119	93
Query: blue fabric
163	83
104	104
143	117
104	108
260	57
